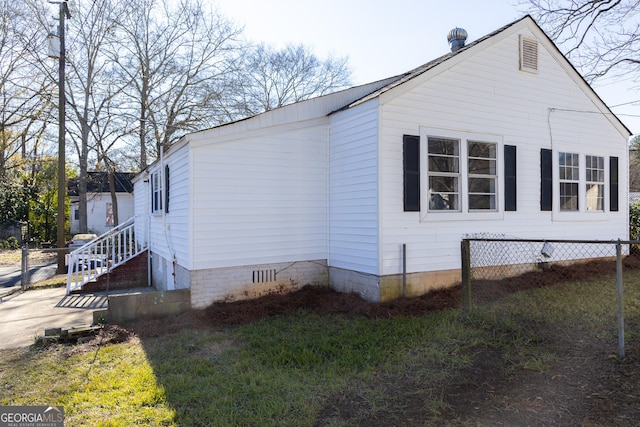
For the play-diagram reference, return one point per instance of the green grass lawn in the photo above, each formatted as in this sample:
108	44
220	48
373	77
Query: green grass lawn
307	369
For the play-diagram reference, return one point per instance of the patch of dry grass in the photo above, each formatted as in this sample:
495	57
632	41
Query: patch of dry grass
57	281
10	257
36	257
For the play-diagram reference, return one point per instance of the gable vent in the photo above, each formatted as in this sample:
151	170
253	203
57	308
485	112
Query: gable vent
528	54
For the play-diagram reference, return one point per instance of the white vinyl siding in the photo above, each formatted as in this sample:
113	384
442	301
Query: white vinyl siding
261	197
169	231
353	189
141	206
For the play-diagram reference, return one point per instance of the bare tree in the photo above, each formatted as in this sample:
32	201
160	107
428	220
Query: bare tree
601	37
271	78
90	82
24	92
177	60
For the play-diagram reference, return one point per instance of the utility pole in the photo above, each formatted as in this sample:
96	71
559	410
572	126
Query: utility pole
64	12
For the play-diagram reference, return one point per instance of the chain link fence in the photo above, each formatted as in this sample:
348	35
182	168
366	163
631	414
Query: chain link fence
497	267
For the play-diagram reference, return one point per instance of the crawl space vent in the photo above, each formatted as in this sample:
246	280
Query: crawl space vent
528	54
264	276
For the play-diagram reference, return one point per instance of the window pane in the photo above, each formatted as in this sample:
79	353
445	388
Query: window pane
571	173
482	167
443	202
482	202
444	155
568	196
442	146
444	164
482	185
569	165
446	184
595	168
485	150
443	193
595	197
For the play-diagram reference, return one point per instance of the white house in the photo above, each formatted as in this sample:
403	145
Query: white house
100	211
501	135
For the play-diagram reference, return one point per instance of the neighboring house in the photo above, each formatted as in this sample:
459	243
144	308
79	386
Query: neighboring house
100	215
500	136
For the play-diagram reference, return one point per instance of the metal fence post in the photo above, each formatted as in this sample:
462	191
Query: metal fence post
404	269
619	290
24	268
465	252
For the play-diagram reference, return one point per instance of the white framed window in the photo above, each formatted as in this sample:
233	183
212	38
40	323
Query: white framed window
463	178
594	185
575	184
569	181
156	192
483	175
444	174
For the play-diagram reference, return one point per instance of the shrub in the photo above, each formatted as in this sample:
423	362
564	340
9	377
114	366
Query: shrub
12	243
634	221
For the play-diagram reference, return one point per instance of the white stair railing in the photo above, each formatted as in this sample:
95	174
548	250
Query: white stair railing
102	254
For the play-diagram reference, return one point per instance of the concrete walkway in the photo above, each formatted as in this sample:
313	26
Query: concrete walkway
25	315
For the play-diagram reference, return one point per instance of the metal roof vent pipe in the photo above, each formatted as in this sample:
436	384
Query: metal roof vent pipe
457	37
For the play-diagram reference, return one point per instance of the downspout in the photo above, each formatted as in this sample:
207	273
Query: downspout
171	286
149	258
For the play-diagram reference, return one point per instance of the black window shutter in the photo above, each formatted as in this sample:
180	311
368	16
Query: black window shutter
152	187
166	188
613	184
411	164
546	179
510	193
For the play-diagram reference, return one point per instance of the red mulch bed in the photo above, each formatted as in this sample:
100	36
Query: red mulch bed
323	300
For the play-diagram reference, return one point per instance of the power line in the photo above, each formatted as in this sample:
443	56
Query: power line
626	103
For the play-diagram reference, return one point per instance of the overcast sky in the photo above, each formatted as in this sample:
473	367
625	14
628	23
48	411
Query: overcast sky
383	38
